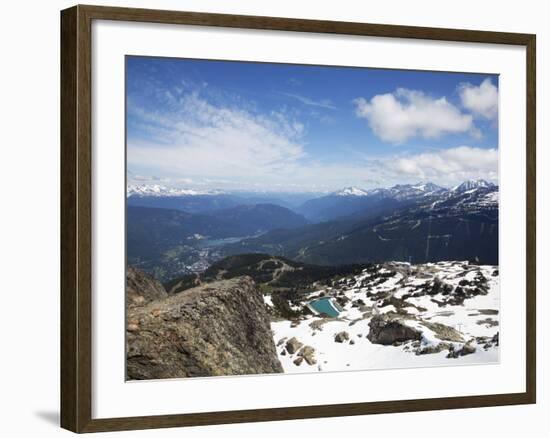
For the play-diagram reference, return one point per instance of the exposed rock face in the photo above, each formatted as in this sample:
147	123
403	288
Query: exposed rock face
293	345
217	329
341	337
431	349
468	348
141	288
308	353
444	332
386	330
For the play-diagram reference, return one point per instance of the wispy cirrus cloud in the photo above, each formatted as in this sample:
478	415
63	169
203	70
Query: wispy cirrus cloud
405	114
322	103
294	82
191	136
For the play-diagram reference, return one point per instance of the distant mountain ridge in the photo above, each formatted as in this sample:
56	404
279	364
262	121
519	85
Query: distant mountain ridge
204	201
472	185
162	191
260	217
353	200
445	225
159	190
408	222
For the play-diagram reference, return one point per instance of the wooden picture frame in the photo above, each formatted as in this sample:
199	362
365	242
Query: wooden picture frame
76	217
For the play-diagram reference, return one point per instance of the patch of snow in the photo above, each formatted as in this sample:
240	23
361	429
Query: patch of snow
268	300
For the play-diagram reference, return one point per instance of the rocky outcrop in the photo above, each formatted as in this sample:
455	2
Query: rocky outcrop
308	353
386	330
341	337
141	288
217	329
468	348
293	345
444	332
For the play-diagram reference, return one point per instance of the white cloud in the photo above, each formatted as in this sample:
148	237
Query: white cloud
446	167
192	142
192	137
481	100
404	114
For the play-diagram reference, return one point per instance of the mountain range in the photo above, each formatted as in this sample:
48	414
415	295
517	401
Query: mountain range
157	190
353	200
170	233
204	201
409	224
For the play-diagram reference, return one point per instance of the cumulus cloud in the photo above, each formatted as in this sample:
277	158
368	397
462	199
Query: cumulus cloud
404	114
448	166
481	100
194	137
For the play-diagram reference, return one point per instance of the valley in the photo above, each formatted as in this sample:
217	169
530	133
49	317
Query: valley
413	223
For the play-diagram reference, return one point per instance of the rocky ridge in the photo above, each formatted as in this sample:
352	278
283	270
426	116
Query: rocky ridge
221	328
141	288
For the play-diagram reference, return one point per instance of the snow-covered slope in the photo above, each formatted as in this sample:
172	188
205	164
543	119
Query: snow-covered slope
452	307
471	185
400	191
412	191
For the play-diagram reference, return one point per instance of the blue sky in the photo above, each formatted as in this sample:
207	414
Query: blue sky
279	127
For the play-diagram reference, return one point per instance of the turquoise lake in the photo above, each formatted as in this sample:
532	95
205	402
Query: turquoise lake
325	305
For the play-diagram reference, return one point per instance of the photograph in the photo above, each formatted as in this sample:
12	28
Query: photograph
294	218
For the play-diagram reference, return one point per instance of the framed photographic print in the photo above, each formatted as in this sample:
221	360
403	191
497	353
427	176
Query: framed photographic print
268	218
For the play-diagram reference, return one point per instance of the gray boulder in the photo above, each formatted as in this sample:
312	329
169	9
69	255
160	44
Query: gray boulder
387	330
468	348
308	353
293	345
341	337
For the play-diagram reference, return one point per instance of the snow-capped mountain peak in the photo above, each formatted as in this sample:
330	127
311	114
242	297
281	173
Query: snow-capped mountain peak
428	187
350	191
471	185
159	190
411	191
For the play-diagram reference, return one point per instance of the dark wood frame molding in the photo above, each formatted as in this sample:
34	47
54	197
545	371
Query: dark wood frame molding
76	173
